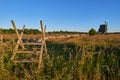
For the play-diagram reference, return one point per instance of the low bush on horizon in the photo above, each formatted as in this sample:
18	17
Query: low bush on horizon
92	32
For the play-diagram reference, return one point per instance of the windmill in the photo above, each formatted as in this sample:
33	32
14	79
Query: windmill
103	28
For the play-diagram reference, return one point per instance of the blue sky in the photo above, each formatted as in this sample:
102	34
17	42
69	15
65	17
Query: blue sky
70	15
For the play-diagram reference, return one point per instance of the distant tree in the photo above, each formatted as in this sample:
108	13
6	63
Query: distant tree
92	31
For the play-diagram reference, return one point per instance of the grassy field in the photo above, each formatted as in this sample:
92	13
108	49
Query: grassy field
80	57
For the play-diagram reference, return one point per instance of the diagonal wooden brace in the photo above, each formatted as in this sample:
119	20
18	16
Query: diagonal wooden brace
19	37
19	42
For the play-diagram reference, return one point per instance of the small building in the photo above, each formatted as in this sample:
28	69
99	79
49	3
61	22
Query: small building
103	28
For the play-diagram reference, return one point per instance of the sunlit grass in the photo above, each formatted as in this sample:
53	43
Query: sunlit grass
75	58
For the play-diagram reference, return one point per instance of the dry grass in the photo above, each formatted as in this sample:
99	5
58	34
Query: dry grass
74	58
86	38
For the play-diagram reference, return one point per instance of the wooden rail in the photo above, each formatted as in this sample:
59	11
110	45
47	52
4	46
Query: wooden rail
32	44
34	52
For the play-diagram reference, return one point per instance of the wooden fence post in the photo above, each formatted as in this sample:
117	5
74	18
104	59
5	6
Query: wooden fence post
43	48
43	30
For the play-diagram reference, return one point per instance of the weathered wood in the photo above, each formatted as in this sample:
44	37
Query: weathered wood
28	52
43	35
37	51
40	58
41	25
19	42
44	40
32	43
19	38
43	47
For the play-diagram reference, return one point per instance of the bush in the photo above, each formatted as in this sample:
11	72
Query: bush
92	32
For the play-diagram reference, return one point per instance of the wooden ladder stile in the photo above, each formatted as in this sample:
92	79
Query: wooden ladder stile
39	50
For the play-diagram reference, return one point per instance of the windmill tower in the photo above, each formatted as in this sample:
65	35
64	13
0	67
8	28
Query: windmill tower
103	28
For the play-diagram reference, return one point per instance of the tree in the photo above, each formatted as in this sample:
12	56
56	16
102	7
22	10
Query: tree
92	31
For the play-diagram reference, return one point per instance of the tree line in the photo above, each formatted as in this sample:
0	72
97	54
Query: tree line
36	31
26	31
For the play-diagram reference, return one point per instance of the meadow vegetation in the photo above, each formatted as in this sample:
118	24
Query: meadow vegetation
75	58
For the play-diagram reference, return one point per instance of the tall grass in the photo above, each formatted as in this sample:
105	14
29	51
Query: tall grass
72	60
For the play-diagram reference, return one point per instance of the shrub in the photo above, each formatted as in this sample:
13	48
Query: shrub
92	31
